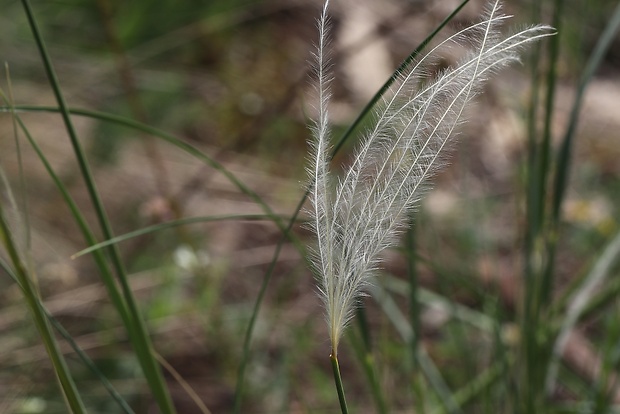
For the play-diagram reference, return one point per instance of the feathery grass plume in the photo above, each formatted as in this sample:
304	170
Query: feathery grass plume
361	214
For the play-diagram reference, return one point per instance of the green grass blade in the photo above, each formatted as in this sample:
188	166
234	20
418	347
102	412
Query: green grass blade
476	386
565	151
538	163
427	366
171	224
362	347
90	365
24	277
533	177
171	139
100	261
338	380
546	284
414	314
217	166
81	354
244	189
245	355
366	360
67	385
386	86
579	301
138	332
247	339
364	328
538	244
20	162
414	306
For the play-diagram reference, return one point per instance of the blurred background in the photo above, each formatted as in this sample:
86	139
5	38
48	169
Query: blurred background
233	78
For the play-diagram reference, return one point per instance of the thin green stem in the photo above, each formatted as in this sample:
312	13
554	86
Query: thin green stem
338	380
539	242
278	220
106	274
171	224
245	355
476	386
386	86
533	213
76	348
551	237
20	162
67	385
137	330
184	146
565	152
426	364
367	361
414	316
259	300
414	306
362	323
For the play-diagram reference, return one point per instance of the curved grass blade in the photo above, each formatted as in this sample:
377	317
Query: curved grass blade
140	337
81	354
408	61
171	139
22	179
25	278
565	153
106	274
476	386
184	384
579	302
171	224
217	166
562	173
541	296
22	275
365	357
426	364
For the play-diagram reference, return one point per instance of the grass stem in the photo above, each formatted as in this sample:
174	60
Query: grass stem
338	379
63	375
137	329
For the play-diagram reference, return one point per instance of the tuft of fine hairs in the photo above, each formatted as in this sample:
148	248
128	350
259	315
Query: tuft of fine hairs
359	215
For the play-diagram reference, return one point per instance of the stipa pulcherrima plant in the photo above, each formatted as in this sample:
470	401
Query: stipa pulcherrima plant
358	216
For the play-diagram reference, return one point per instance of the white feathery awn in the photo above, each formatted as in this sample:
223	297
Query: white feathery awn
359	215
